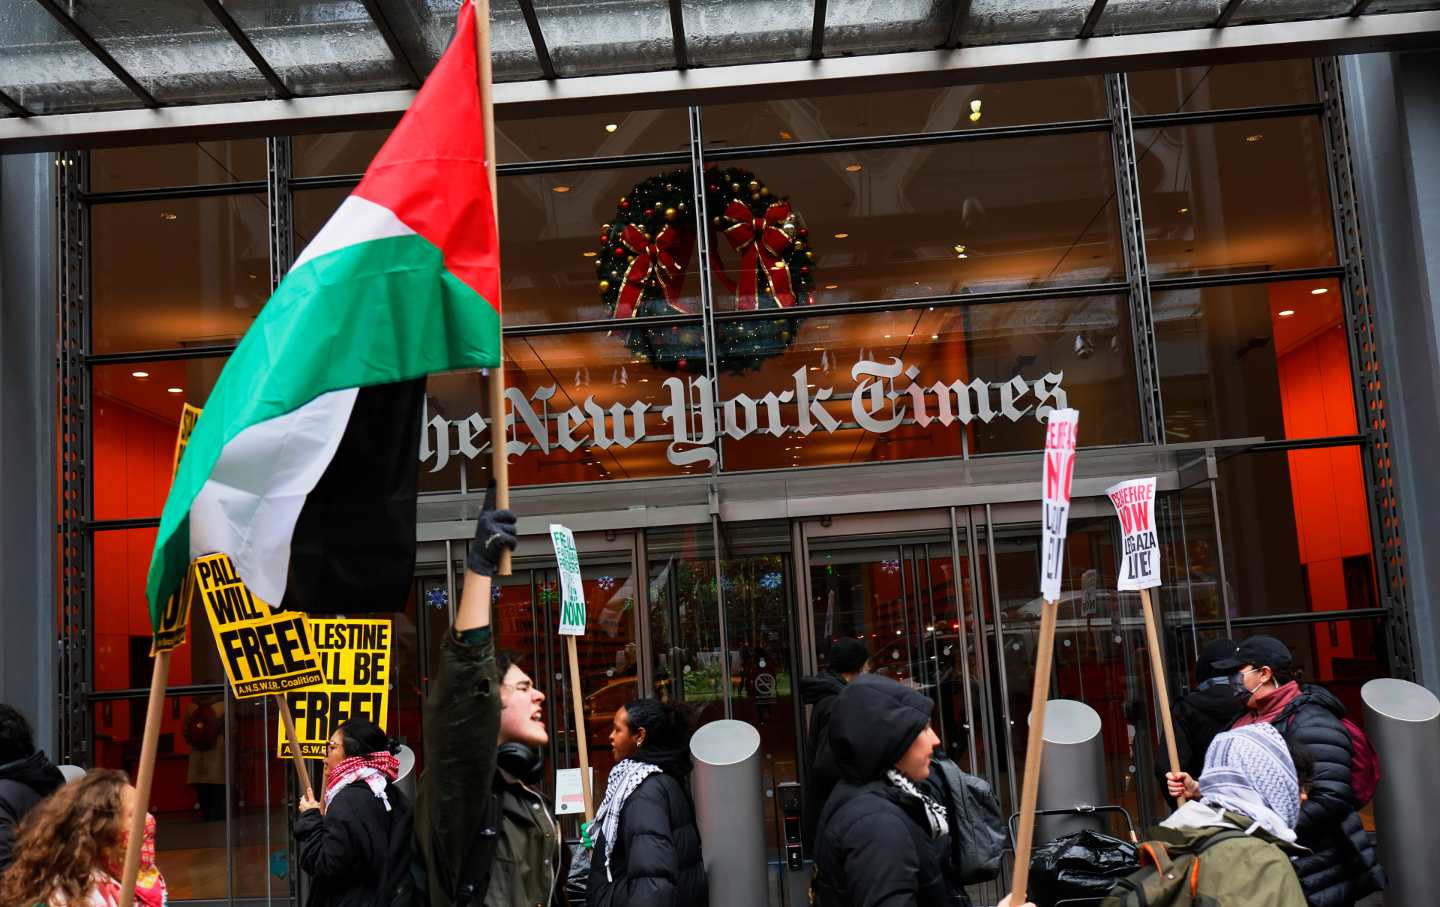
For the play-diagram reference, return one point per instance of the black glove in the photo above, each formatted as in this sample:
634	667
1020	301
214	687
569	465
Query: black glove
494	532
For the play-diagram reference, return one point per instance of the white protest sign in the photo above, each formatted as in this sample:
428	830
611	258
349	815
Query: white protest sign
572	590
1059	468
569	798
1140	551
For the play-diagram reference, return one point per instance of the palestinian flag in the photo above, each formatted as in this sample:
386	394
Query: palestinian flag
303	466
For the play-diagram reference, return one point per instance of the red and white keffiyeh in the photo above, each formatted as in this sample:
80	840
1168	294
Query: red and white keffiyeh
375	769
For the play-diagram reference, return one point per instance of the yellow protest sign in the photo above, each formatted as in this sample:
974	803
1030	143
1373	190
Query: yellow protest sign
263	651
170	632
355	660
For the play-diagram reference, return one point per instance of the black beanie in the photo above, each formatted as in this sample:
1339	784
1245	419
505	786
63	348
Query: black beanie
848	655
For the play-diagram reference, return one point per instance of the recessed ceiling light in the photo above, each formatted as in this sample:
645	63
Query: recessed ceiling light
832	286
1319	291
589	254
139	374
168	215
1183	211
854	168
887	336
175	390
1286	313
561	189
842	235
611	127
1255	137
934	336
785	136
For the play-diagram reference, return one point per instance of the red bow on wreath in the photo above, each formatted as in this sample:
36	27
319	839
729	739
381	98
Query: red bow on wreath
760	242
652	257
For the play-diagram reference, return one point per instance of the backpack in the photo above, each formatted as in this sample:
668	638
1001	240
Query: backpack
202	728
1169	875
1364	764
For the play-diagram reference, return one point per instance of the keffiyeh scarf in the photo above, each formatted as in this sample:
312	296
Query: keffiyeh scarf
935	811
1249	771
625	777
375	770
149	883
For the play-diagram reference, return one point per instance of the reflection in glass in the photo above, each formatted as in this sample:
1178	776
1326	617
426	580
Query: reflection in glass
261	810
177	272
1267	361
1235	197
320	48
607	36
190	164
688	665
1269	82
1004	22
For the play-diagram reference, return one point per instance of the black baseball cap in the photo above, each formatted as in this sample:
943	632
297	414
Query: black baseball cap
1260	651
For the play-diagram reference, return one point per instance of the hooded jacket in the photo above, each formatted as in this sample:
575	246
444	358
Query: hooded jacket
345	851
23	784
1198	718
873	847
819	692
656	861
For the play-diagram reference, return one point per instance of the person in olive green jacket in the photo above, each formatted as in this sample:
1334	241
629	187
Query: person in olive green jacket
486	834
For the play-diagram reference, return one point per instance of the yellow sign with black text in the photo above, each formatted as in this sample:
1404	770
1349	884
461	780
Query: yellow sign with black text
355	660
264	651
189	415
170	633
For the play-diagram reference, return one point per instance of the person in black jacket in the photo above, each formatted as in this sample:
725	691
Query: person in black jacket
1208	709
344	843
647	847
1342	866
881	837
848	659
26	777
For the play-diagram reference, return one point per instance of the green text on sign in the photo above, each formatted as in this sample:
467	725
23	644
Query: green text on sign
572	590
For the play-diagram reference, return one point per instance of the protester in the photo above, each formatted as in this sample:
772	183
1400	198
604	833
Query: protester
26	777
1207	710
1249	784
1342	866
485	831
204	733
344	839
848	657
879	840
647	849
71	849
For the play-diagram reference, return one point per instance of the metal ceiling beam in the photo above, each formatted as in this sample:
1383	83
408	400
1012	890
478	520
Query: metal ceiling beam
677	28
817	31
242	40
750	82
98	52
1228	13
537	37
1092	21
957	23
14	106
1359	8
392	41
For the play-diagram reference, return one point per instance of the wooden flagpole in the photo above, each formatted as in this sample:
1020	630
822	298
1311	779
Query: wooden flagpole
499	463
145	776
580	728
1162	693
299	760
1035	744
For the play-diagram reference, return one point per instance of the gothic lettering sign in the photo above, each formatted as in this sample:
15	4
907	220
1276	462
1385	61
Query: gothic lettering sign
887	395
1058	472
1140	549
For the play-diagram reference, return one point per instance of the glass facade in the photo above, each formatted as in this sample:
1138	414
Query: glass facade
947	266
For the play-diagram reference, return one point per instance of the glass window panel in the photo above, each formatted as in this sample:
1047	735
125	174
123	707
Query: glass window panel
320	47
1217	87
190	164
1235	197
1123	17
1400	6
728	32
425	28
685	621
334	153
1268	360
47	71
1190	558
946	220
1297	532
866	27
177	272
1008	22
895	112
135	415
261	810
175	48
607	35
1290	10
1075	352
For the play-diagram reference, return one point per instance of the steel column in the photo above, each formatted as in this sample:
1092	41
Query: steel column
277	196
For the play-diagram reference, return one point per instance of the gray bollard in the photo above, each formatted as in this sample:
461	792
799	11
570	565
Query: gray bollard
729	806
1072	772
1402	720
406	779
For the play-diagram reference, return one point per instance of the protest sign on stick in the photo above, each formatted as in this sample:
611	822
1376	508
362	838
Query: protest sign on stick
175	618
1059	467
1140	572
354	658
572	624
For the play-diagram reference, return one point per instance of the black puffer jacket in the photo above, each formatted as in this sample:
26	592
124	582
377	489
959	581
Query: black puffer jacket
1198	718
345	850
656	861
819	692
23	784
1343	865
874	847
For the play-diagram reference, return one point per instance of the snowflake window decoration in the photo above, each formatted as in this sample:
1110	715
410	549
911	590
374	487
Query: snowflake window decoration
437	598
772	581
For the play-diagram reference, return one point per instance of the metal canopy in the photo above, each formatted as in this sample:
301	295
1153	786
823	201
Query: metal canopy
83	56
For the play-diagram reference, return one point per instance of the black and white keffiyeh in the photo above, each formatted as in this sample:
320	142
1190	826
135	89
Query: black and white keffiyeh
625	777
934	810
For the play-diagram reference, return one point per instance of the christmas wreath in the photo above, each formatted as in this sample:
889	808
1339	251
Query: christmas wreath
643	252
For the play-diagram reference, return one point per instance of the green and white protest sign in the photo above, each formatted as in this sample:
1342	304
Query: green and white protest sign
572	590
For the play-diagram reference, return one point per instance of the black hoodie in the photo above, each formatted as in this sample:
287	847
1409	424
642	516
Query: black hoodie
874	847
819	692
23	784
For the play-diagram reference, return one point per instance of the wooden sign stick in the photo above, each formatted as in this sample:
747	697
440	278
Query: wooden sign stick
580	732
145	776
1162	693
499	463
1034	747
299	760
